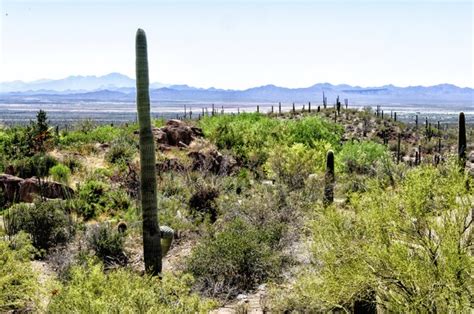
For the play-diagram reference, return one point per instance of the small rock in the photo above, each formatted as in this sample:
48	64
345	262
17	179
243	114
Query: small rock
471	157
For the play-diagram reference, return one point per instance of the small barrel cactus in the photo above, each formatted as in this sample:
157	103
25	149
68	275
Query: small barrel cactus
167	235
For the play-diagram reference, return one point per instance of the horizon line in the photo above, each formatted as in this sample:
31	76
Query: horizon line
166	85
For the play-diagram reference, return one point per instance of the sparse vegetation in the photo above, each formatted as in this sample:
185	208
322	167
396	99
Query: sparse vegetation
322	215
19	287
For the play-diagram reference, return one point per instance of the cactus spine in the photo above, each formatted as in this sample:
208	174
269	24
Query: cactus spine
462	142
329	179
151	231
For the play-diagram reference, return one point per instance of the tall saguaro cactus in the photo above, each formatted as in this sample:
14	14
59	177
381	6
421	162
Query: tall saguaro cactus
151	230
329	179
462	142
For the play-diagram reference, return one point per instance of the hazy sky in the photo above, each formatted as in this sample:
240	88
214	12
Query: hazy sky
240	44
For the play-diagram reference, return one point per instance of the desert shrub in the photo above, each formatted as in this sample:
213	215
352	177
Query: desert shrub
90	134
23	167
27	141
72	163
293	164
250	136
42	163
118	201
121	150
174	213
92	198
96	197
60	173
37	165
18	282
360	157
409	246
171	184
16	142
202	200
310	130
90	290
232	260
107	243
49	223
247	135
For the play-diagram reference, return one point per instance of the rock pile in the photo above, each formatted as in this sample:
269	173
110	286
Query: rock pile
16	189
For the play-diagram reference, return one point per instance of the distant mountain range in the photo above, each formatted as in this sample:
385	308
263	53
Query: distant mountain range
120	88
110	81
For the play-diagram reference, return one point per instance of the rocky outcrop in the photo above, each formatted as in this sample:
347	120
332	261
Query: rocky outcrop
16	189
175	133
10	187
172	164
213	161
32	187
179	133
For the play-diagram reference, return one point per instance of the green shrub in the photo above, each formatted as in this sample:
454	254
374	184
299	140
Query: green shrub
107	243
202	201
247	135
118	201
60	173
96	197
49	223
19	288
361	157
90	134
72	163
410	245
92	198
292	165
250	136
121	150
234	259
174	213
37	165
311	130
90	290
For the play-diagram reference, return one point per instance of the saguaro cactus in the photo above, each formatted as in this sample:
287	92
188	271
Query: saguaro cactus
329	179
151	230
399	140
462	142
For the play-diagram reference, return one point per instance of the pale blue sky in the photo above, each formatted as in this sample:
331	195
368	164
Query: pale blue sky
230	44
